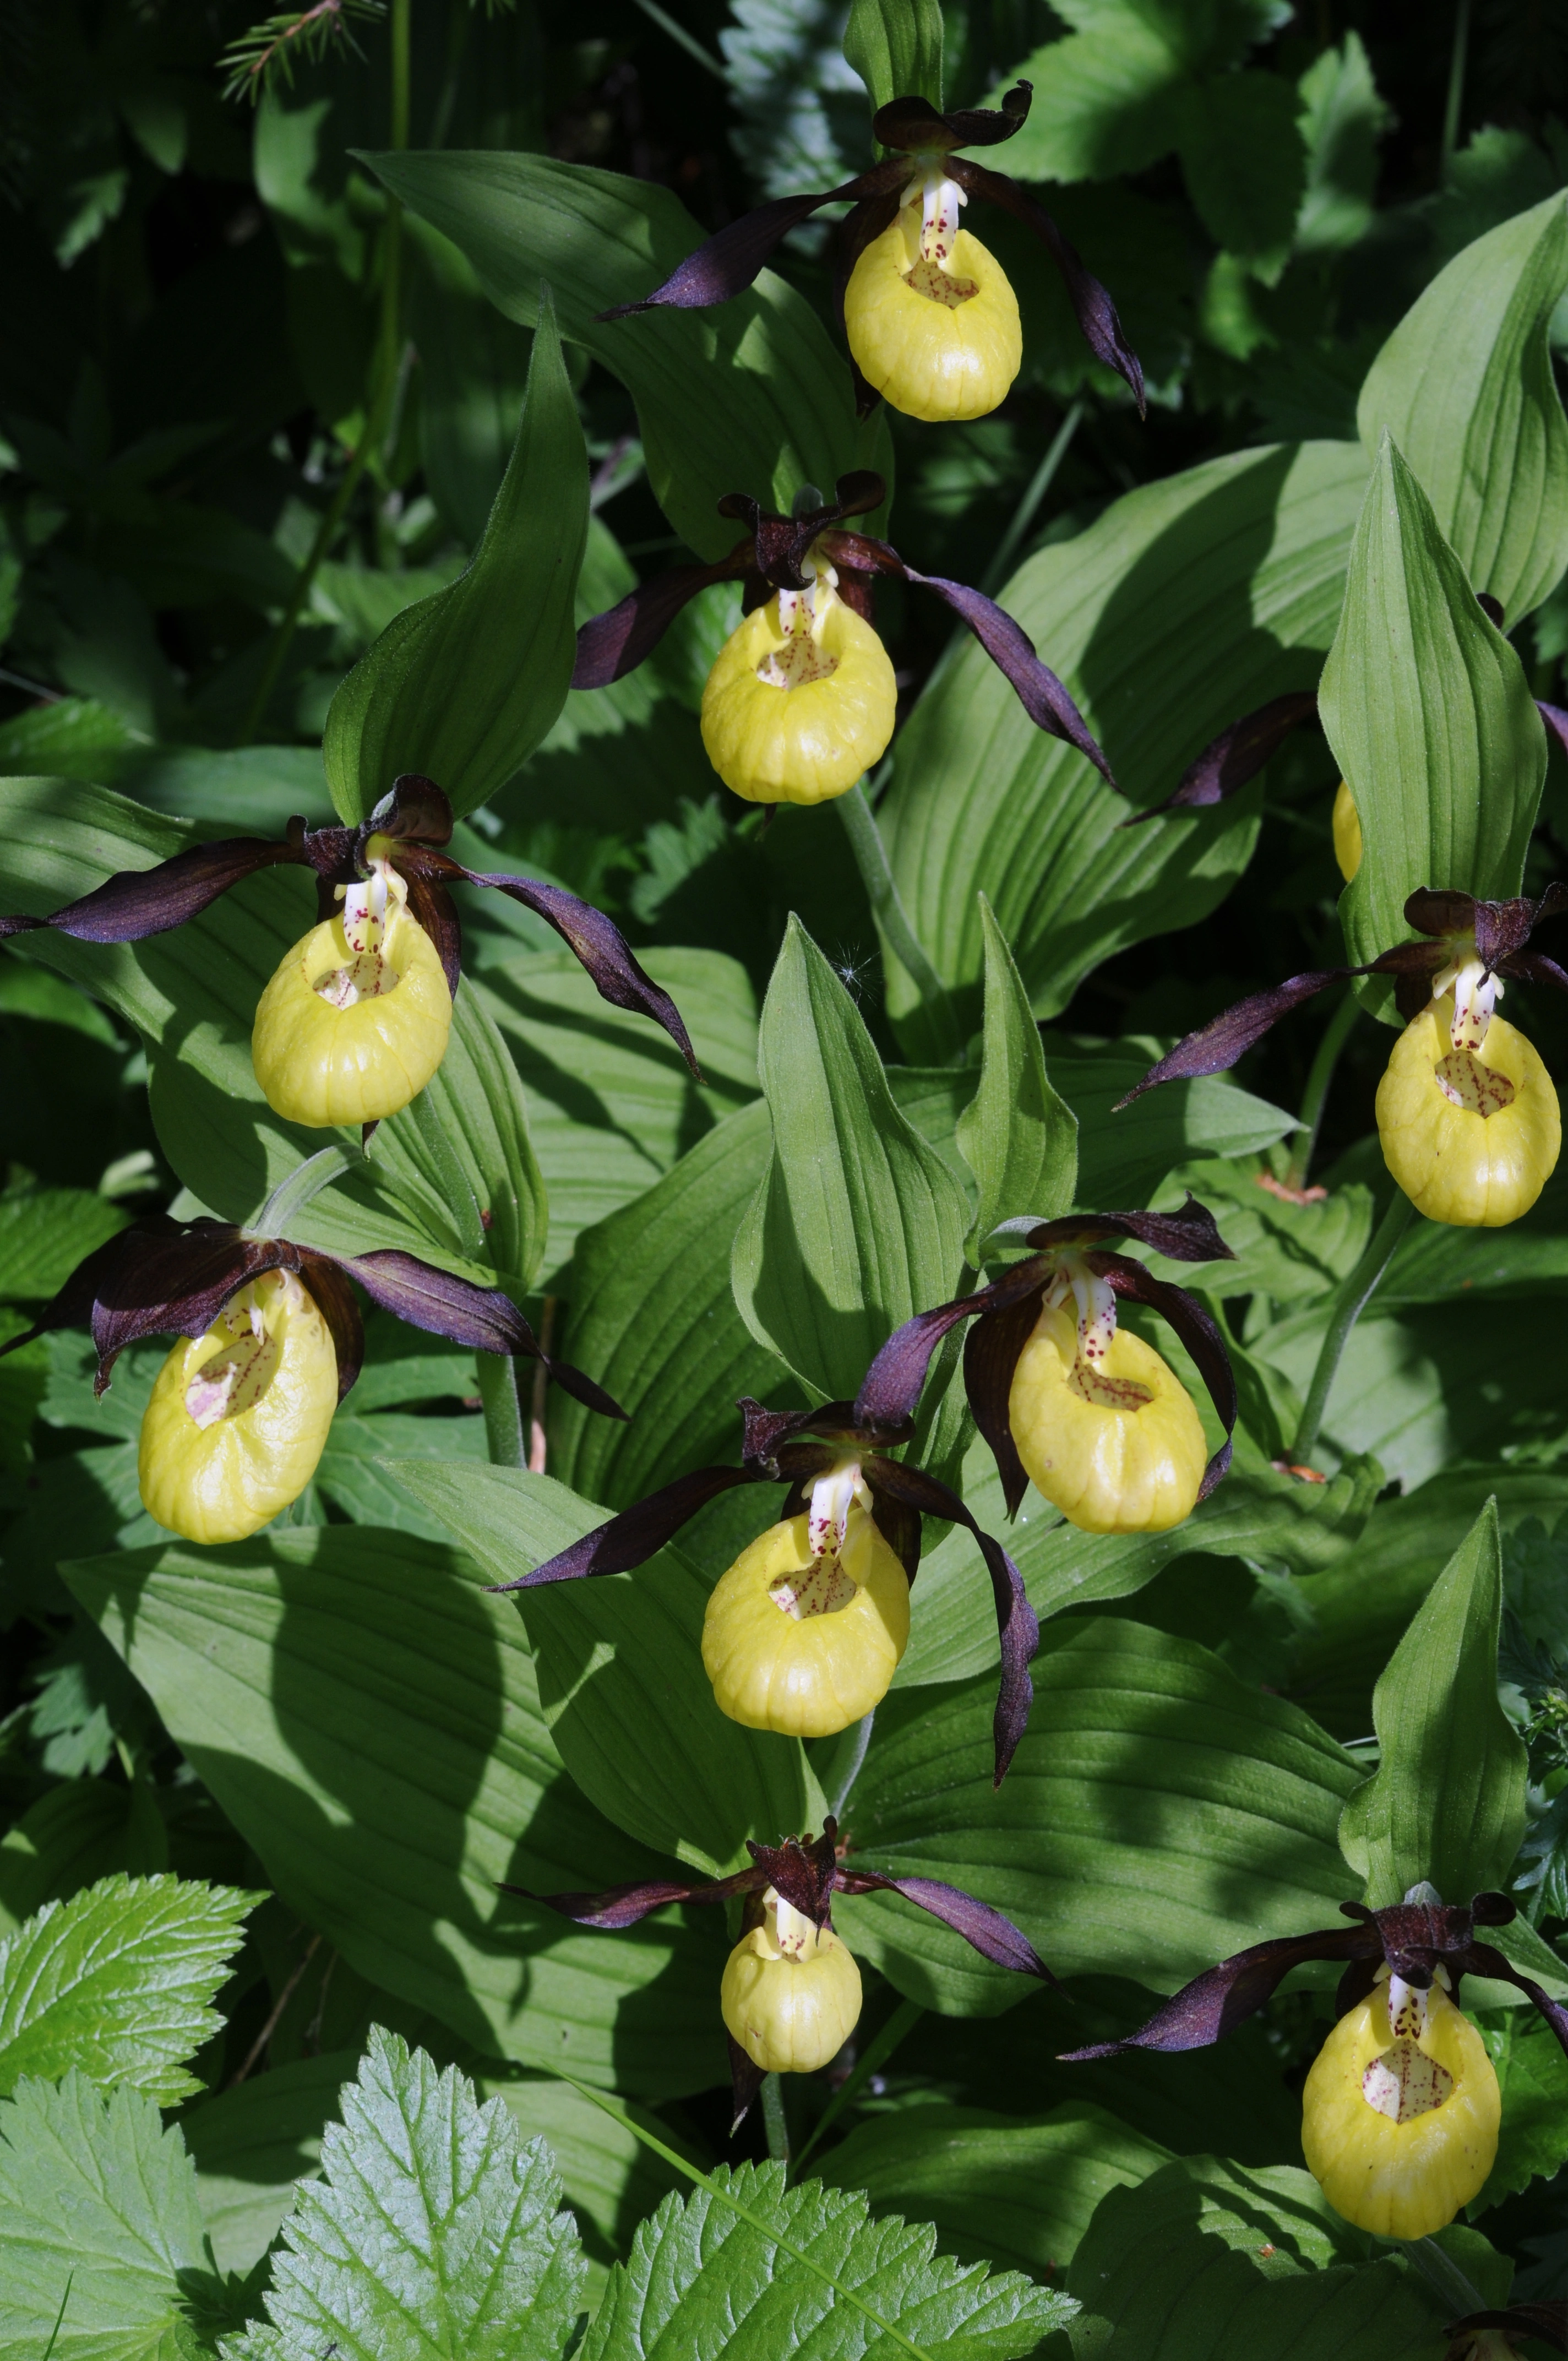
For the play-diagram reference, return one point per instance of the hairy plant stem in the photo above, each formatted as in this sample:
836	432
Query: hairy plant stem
1353	1299
775	2122
380	394
504	1436
1441	2271
852	1772
876	875
297	1188
1315	1096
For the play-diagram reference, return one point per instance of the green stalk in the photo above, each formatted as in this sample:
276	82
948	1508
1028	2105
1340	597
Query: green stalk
1352	1301
504	1437
380	393
876	2054
297	1188
876	875
1441	2272
774	2121
1455	100
1315	1098
1024	514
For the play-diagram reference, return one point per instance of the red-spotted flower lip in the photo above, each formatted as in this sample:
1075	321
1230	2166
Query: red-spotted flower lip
414	820
794	1447
1413	1939
727	264
805	1871
771	557
162	1278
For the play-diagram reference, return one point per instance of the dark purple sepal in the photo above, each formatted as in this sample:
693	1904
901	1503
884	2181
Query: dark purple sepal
726	265
1556	721
598	942
992	1353
1213	2004
1215	1047
745	2082
413	811
1189	1234
779	544
624	1905
1198	1332
432	907
638	1533
1092	303
1547	2320
1534	967
614	644
141	902
891	1386
1235	756
333	1299
1486	1960
803	1870
986	1930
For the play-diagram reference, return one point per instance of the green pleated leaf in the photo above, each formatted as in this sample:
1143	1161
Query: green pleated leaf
1431	718
621	1677
1447	1801
769	2272
1189	603
896	47
1014	2191
751	396
369	1720
1018	1137
1465	386
93	2191
1205	2257
435	2230
1159	1815
464	686
117	1983
858	1223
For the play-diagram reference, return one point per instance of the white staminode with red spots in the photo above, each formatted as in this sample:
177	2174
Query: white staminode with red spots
932	273
368	972
822	1588
802	614
1462	1077
1096	1301
1404	2081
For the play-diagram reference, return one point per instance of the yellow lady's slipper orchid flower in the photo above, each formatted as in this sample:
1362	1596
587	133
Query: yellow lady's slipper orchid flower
355	1021
932	321
238	1418
1103	1425
791	1993
801	701
804	1633
1400	2111
1347	832
1466	1111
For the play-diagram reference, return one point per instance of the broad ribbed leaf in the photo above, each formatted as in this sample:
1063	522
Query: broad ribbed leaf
1018	1136
1205	2258
1010	2190
44	1233
1159	1815
1189	603
434	2233
464	686
750	396
92	2190
654	1317
1464	386
116	1981
896	47
1431	718
621	1677
251	2142
770	2272
1446	1802
858	1223
368	1719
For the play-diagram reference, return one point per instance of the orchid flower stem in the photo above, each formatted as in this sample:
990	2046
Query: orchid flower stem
297	1188
876	875
504	1436
1315	1096
678	33
1023	515
1453	106
852	1772
876	2054
1441	2272
774	2121
1353	1299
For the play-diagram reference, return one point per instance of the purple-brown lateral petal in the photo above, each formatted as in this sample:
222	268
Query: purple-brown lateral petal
995	1937
638	1533
142	902
726	265
1556	721
1534	967
433	908
1216	1046
1213	2004
1096	312
991	1351
1235	756
1486	1960
1547	2320
623	1905
334	1300
891	1386
614	644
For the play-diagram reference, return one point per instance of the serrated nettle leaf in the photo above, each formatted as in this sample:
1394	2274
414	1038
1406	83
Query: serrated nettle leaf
611	2176
896	47
1102	102
1532	2073
1430	717
433	2230
116	1981
751	396
94	2191
1203	2257
1018	1136
1341	119
1244	161
1447	1801
1465	386
1159	1815
775	2270
368	1719
1008	2190
621	1678
858	1224
44	1233
1134	615
653	1314
464	686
